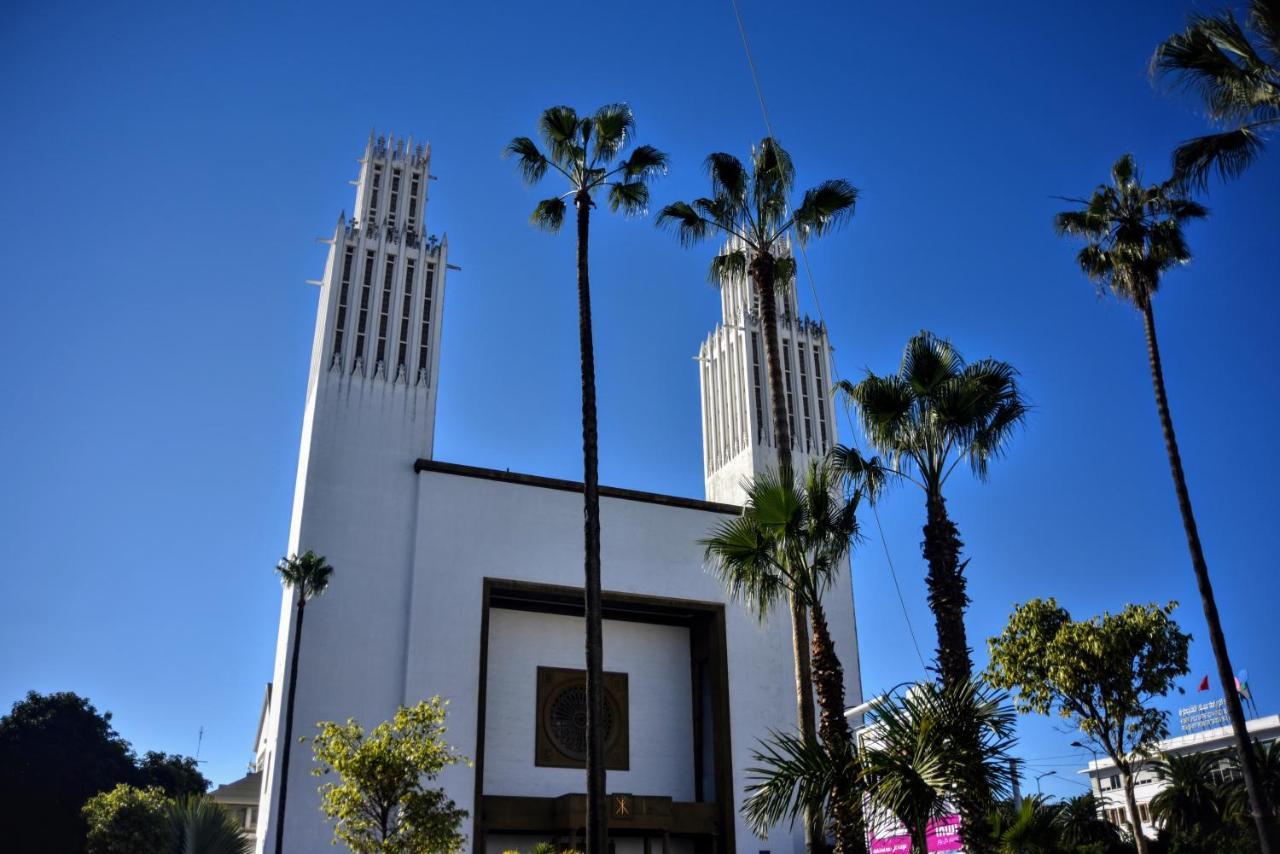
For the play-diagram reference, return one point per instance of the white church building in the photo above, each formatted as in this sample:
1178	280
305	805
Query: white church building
430	598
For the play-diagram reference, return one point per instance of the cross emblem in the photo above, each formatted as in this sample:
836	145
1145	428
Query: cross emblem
622	806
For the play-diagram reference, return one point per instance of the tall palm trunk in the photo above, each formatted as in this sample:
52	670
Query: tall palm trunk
763	274
828	680
597	830
947	597
287	747
948	600
1135	819
1244	748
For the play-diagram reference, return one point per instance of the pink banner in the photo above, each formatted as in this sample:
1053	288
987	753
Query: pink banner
943	834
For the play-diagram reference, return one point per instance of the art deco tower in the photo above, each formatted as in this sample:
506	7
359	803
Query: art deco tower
737	421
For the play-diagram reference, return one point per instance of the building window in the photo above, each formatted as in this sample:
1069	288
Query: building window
340	325
823	436
755	372
561	740
786	381
373	194
384	310
406	308
424	331
1144	813
804	399
395	196
366	286
412	217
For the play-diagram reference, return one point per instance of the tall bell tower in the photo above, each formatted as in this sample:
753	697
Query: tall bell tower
737	421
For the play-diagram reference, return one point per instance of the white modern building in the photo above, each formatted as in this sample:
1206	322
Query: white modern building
1104	778
431	597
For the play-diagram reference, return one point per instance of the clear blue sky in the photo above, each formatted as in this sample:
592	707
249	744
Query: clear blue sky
166	171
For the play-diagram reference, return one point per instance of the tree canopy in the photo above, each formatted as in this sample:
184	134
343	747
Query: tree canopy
379	803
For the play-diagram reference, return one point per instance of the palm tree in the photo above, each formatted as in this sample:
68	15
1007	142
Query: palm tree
308	574
583	150
1079	824
1189	800
1238	81
1031	828
750	210
1134	236
197	825
791	541
934	413
915	763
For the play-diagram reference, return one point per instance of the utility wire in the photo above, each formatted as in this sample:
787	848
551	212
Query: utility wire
813	289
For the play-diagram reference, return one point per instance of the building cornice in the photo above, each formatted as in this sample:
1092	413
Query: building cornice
424	465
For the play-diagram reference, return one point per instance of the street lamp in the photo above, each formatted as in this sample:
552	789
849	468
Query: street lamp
1038	776
1095	770
863	708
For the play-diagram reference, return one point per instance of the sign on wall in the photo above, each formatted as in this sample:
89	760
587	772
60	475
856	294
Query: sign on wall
942	834
1202	716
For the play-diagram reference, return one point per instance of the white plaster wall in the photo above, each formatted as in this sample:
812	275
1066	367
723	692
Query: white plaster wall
498	843
656	661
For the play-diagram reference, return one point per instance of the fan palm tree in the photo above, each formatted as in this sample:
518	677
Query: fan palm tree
584	150
934	413
1238	81
1133	237
790	542
750	210
1079	824
197	825
307	575
1188	800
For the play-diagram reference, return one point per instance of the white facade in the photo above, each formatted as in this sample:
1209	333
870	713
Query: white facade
1104	778
737	414
461	582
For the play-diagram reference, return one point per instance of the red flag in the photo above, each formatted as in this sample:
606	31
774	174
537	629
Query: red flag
1204	684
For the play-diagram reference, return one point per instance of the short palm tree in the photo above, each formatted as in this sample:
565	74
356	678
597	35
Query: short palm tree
1189	799
1133	237
1238	81
1080	824
197	825
307	575
1030	828
936	412
790	542
584	151
749	209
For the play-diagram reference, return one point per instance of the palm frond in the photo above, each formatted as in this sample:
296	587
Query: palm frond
728	266
531	162
1229	154
308	573
688	225
645	163
549	214
614	125
631	197
825	207
559	128
742	556
728	176
791	775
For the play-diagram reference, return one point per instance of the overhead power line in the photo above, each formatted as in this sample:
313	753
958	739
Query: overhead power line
813	290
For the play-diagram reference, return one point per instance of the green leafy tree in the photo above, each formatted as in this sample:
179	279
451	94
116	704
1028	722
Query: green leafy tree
584	150
1133	237
750	209
178	776
1238	80
307	575
789	544
379	803
56	751
936	412
127	820
1101	674
197	825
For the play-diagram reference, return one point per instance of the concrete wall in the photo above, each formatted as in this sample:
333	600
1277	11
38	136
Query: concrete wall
656	661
